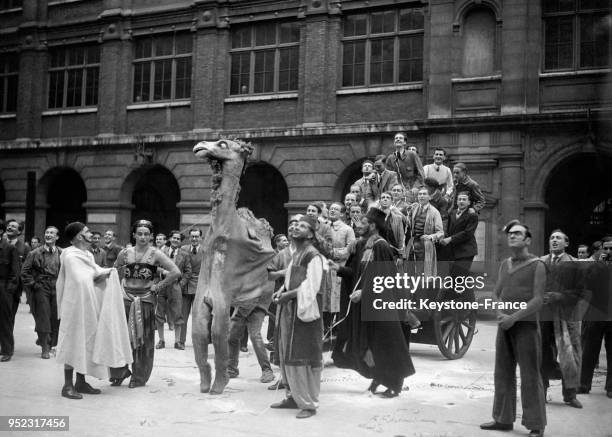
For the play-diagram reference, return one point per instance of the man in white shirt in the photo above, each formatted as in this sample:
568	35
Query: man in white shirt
441	173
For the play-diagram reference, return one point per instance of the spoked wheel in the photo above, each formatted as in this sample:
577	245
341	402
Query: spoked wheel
454	331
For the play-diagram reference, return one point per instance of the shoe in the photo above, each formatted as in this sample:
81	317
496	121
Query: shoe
87	389
6	358
244	349
232	373
287	403
278	385
573	403
69	392
608	394
536	433
388	393
305	414
496	426
160	344
373	386
45	355
269	346
267	376
180	346
134	384
116	382
583	391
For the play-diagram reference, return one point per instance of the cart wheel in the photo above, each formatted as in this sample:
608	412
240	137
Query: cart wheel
454	331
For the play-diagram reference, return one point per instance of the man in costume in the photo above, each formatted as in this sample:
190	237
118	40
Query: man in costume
93	335
375	346
300	326
521	279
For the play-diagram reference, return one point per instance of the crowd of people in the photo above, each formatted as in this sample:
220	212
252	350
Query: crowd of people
400	215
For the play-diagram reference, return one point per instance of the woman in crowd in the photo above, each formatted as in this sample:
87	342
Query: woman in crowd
138	265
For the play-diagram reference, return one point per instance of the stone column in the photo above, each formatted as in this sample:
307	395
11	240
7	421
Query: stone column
535	218
510	166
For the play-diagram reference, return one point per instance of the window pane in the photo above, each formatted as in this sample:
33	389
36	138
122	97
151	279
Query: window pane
411	19
143	48
75	87
381	63
183	43
382	22
93	54
241	65
289	32
11	64
162	46
91	86
142	81
594	4
355	25
264	72
411	58
56	89
76	56
241	37
11	94
162	86
265	34
183	78
559	5
353	63
559	37
288	69
594	40
58	58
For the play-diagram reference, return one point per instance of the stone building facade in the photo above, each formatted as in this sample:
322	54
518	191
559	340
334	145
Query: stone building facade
101	102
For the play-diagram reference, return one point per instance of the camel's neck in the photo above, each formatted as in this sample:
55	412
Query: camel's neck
225	189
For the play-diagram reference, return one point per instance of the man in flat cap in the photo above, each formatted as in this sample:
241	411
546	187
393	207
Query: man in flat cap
300	326
93	335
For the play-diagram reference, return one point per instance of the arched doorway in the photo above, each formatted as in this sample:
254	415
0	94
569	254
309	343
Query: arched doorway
347	178
579	199
65	196
154	196
263	190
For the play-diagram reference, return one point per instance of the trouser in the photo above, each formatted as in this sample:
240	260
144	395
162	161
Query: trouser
271	323
169	305
144	354
461	266
592	335
186	304
253	321
550	367
521	344
7	341
45	314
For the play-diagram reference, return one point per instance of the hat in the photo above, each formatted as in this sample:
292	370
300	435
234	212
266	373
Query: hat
72	230
431	183
377	216
312	222
516	222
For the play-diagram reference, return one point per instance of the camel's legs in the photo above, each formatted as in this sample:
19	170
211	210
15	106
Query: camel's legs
220	334
200	336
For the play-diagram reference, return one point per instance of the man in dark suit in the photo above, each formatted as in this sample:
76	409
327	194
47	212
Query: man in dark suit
195	257
9	275
380	180
460	243
14	229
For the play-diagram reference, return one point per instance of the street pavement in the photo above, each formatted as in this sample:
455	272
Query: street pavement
444	398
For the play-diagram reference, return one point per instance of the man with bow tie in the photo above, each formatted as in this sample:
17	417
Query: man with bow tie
441	173
39	273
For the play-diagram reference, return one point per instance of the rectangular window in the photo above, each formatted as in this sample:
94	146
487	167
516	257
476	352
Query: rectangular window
576	34
162	68
383	48
265	58
73	76
10	4
9	72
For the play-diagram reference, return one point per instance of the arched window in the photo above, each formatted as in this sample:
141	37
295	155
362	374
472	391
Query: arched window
479	43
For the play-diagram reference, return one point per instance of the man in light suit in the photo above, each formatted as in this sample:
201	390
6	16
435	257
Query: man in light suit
460	244
195	257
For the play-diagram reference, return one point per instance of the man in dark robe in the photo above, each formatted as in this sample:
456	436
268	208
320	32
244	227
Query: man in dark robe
377	349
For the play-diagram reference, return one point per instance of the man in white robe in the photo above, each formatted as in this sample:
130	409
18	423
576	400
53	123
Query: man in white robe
93	334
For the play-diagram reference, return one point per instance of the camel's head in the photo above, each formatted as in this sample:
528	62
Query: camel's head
223	150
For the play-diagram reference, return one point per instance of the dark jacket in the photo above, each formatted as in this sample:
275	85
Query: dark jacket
196	263
41	268
9	268
472	187
461	232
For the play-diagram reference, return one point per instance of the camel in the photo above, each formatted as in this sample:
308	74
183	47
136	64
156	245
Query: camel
237	248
